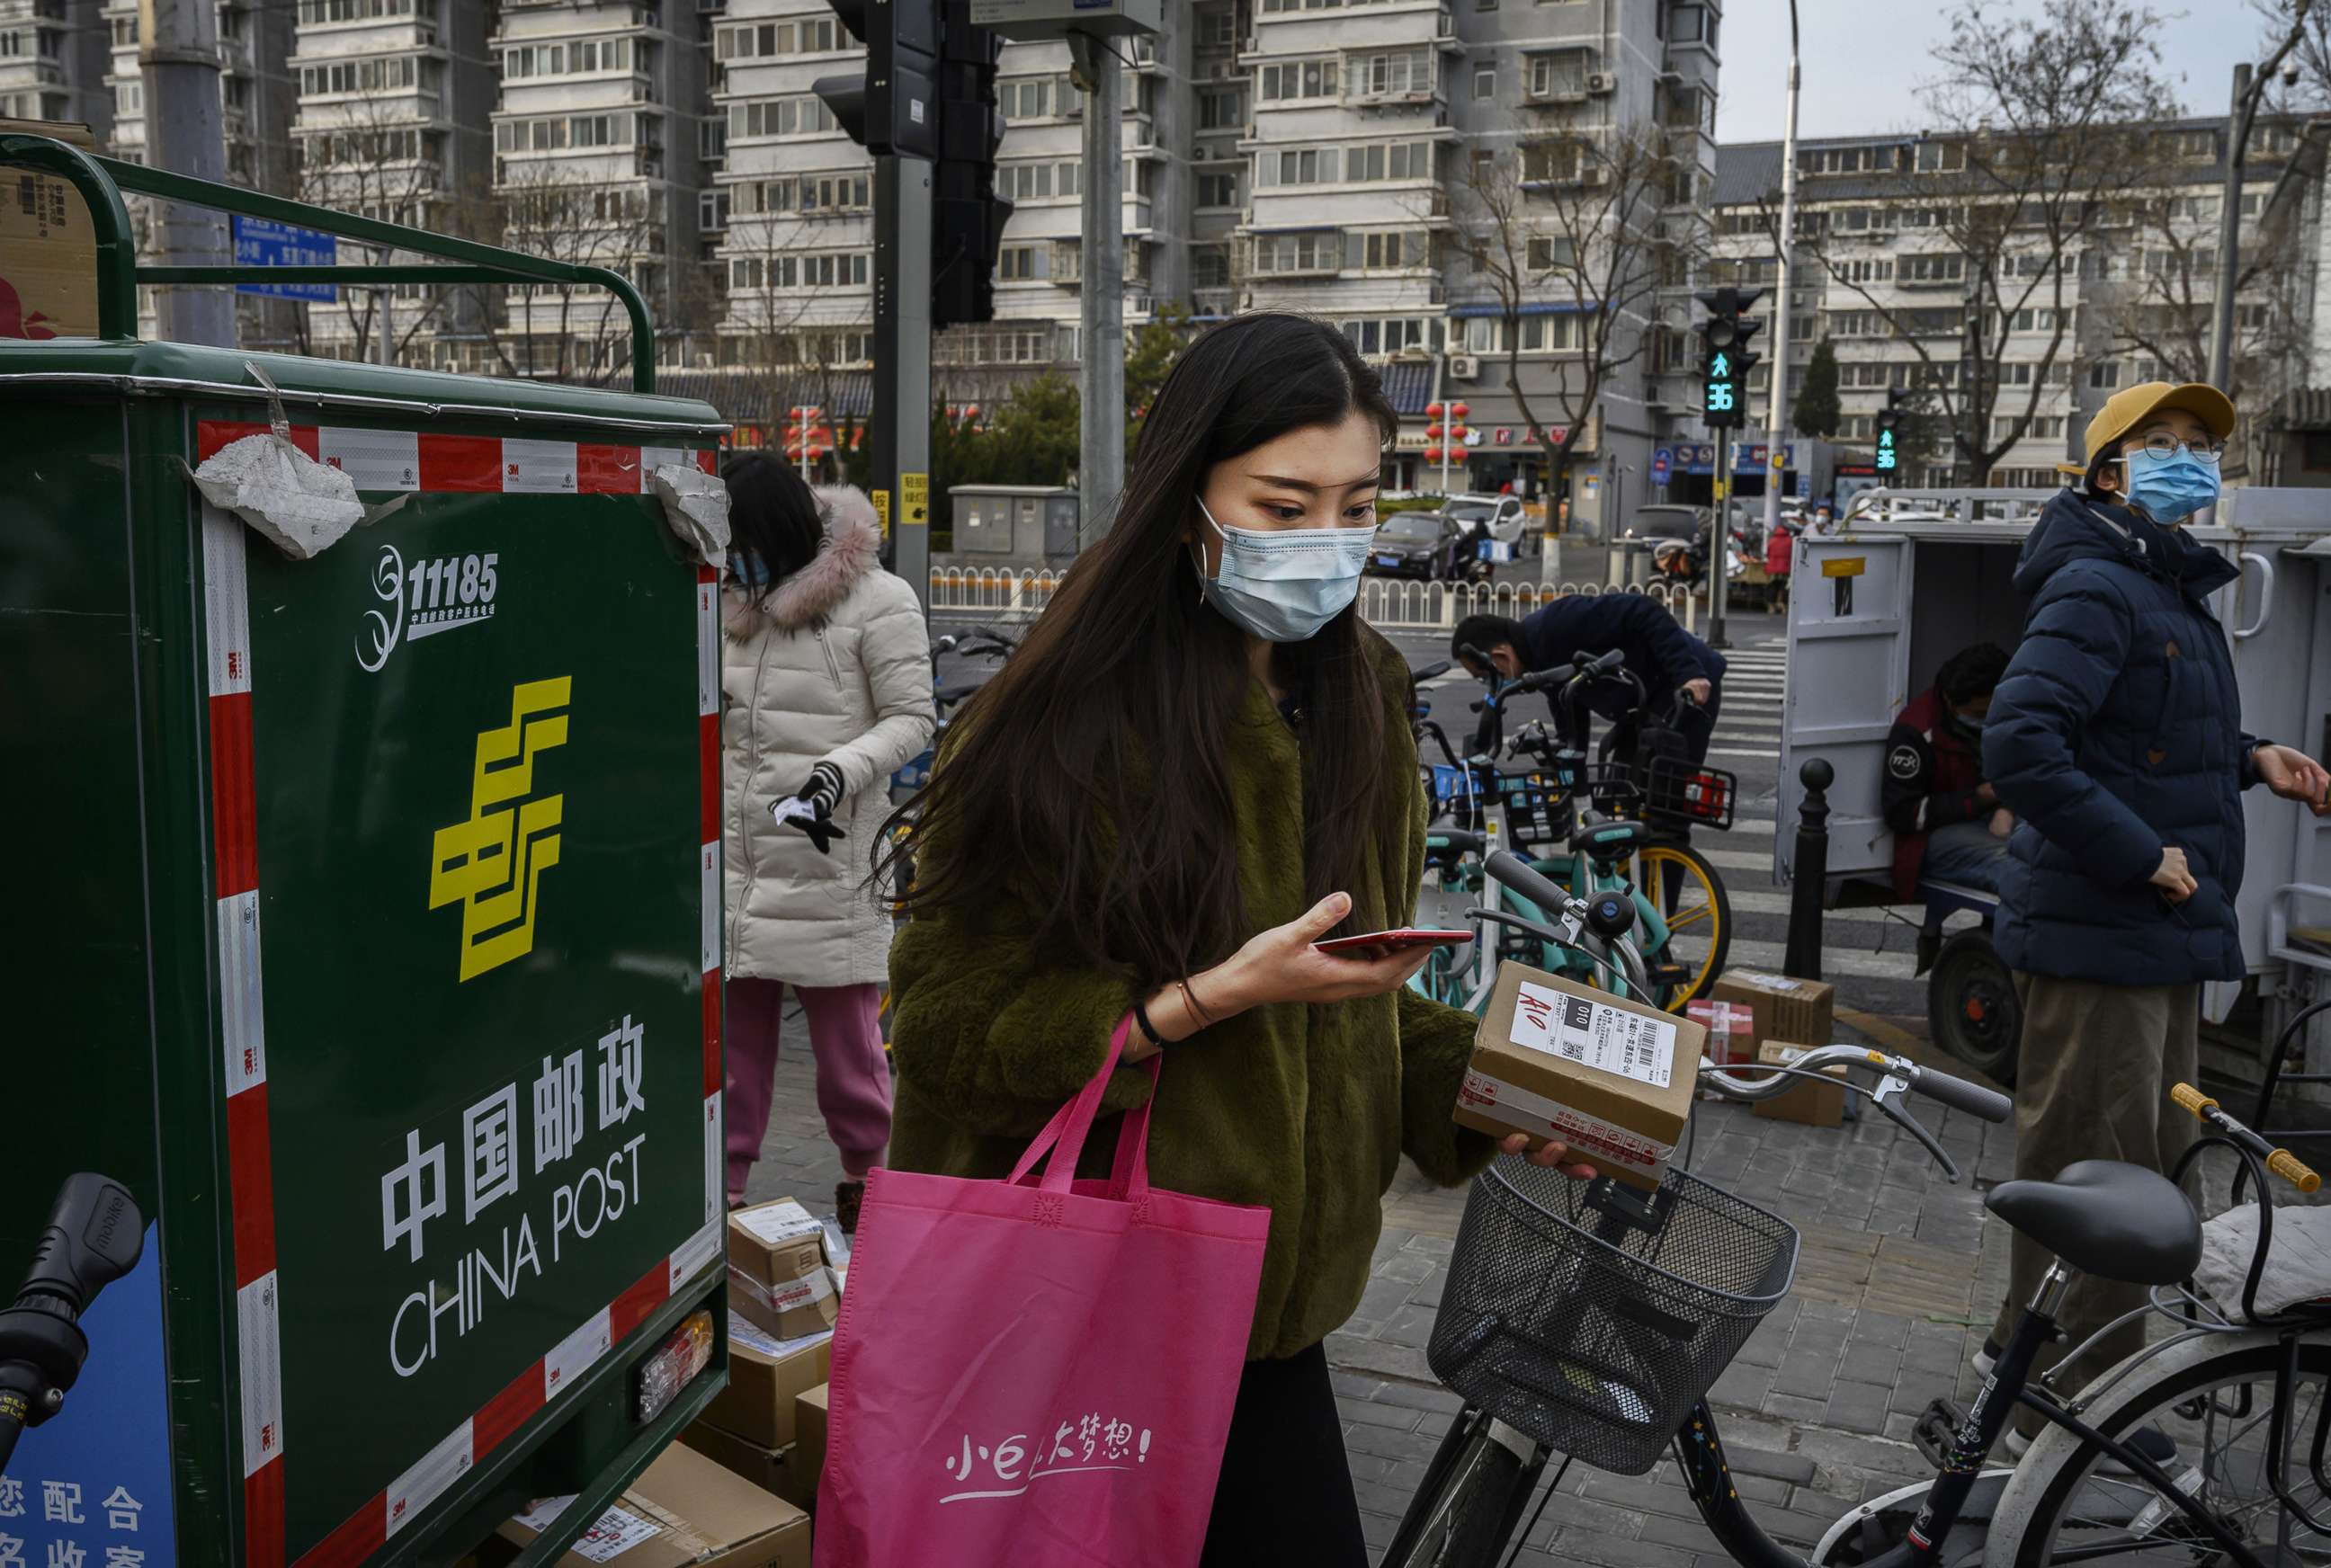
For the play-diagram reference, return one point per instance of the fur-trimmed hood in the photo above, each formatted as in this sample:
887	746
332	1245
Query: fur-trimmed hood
852	546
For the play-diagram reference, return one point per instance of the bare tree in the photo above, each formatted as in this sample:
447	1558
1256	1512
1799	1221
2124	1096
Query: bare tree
559	331
370	156
2043	142
1572	223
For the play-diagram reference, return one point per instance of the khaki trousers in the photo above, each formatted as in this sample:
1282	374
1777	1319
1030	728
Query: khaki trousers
2098	1062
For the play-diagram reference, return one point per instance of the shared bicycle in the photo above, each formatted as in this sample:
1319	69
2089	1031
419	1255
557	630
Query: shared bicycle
1584	1322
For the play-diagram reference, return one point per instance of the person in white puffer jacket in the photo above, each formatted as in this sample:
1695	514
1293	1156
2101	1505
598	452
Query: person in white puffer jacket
826	691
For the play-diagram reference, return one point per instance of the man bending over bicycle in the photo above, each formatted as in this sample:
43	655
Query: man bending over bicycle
1663	655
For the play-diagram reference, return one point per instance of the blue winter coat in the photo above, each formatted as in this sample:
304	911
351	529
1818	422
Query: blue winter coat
2116	733
1661	654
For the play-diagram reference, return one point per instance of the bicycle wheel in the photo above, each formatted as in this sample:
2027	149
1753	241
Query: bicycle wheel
1465	1521
1690	896
2219	1411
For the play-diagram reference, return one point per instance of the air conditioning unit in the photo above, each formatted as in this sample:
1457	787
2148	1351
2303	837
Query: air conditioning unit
1602	81
1464	367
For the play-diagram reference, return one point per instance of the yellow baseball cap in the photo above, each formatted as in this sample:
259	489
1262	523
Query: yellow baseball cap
2131	406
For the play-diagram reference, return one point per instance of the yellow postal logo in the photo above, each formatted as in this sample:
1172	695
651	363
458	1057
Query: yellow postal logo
491	863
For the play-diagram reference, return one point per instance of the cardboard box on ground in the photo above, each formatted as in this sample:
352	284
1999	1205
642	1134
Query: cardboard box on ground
683	1512
1815	1103
779	1279
48	251
1612	1078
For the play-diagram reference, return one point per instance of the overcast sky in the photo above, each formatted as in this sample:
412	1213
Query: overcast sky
1864	60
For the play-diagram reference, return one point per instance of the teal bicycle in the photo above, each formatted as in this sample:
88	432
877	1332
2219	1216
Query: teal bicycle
1592	836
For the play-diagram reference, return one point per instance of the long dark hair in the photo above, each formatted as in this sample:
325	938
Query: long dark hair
773	517
1090	778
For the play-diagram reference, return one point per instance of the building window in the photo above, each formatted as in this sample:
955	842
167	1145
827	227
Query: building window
317	13
1544	253
1387	252
1016	263
1392	73
1305	252
1549	334
1034	96
1559	75
770	40
1950	268
779	117
1485	81
1937	158
1554	163
1218	28
1218	189
1210	267
1291	80
1222	108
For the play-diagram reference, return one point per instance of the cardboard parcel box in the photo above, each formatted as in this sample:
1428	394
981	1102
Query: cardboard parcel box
1784	1008
48	251
684	1509
1612	1078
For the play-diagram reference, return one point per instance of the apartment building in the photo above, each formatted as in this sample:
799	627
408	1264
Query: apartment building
1884	273
597	159
394	101
52	63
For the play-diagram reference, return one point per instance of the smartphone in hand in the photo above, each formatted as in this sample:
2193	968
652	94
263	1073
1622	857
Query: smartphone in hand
1381	944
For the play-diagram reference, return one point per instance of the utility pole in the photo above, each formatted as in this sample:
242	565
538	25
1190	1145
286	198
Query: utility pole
178	60
900	437
1777	415
1100	373
2239	116
1719	541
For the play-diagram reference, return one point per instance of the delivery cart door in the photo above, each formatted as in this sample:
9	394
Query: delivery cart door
1849	672
465	787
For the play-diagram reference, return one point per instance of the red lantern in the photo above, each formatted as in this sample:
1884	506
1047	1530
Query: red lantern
1432	455
1433	432
972	412
1460	410
1432	411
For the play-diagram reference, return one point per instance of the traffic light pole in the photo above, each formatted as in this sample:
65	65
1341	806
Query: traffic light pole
1719	541
901	436
1776	418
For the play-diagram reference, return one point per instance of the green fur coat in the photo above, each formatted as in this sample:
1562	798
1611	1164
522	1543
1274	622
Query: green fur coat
1304	1110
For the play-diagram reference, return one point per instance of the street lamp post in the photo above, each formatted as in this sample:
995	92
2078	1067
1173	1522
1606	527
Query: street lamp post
1776	407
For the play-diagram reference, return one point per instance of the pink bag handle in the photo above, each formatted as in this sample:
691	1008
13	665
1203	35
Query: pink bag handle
1064	1135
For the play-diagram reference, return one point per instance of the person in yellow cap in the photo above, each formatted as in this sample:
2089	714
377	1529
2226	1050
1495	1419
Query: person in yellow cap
2115	739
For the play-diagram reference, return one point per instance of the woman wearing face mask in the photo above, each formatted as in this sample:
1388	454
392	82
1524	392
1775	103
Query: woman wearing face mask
1198	765
2115	739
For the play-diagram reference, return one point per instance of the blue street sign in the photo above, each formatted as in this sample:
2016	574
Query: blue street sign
1662	464
264	243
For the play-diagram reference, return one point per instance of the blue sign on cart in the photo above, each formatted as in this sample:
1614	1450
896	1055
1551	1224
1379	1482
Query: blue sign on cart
264	243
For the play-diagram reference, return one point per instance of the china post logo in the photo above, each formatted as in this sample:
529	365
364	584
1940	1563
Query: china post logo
492	862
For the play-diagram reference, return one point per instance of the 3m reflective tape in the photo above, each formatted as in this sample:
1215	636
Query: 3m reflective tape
537	468
708	868
707	643
429	1477
259	1333
227	606
606	470
576	1354
1590	1135
713	1150
375	460
695	1254
242	1024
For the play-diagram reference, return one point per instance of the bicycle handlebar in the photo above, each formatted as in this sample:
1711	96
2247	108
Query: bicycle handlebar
2281	1161
1463	843
1504	866
1962	1096
1897	1073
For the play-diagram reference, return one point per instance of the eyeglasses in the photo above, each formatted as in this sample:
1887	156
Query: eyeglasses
2165	446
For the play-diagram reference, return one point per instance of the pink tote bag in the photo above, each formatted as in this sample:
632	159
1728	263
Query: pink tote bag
1036	1373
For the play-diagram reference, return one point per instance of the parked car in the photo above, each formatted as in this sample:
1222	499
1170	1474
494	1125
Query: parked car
1507	520
1408	544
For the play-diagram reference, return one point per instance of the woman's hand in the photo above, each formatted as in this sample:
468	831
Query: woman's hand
2003	823
1282	965
2295	776
1547	1155
2176	883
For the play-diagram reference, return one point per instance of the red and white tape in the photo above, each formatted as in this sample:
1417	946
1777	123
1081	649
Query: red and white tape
427	461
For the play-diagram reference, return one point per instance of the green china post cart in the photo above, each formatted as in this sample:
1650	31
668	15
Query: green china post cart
366	926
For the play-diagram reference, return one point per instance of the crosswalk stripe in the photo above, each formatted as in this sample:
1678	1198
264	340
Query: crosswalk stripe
1740	751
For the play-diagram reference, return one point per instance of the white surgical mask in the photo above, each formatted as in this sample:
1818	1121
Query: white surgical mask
1283	586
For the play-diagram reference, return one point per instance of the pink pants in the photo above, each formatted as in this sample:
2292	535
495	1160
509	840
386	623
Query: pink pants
853	1081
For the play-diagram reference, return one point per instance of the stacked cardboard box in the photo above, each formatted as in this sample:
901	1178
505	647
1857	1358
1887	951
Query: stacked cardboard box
783	1299
1788	1012
683	1512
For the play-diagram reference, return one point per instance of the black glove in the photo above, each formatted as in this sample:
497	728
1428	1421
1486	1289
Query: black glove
821	794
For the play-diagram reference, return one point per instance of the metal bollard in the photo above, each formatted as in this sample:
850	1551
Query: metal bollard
1809	873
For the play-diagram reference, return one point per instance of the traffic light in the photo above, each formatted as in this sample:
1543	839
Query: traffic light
1888	461
1725	359
967	217
893	107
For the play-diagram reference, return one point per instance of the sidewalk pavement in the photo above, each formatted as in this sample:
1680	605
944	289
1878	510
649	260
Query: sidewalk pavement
1897	1280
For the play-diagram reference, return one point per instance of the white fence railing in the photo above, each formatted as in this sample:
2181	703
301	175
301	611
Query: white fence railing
1387	604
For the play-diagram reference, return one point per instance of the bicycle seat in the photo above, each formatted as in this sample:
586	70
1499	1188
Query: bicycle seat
2103	1217
1609	841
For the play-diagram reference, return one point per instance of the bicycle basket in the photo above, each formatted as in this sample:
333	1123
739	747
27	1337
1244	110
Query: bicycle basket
1681	793
1600	1347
